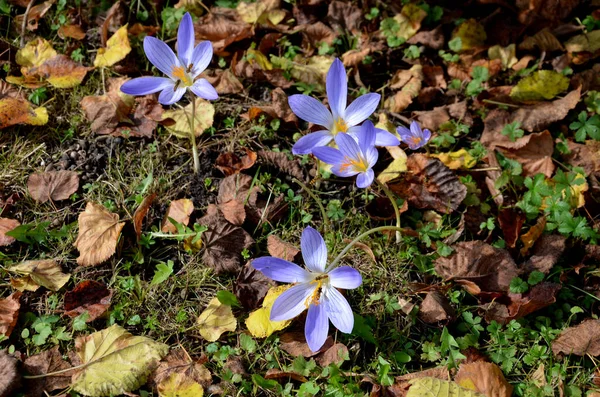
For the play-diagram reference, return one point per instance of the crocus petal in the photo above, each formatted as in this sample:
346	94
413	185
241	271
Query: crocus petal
364	179
366	136
308	142
348	146
338	309
415	129
161	55
404	133
201	57
281	270
337	88
328	155
314	250
316	327
185	39
146	85
292	302
361	108
426	135
311	110
343	170
372	155
385	138
204	89
345	277
169	96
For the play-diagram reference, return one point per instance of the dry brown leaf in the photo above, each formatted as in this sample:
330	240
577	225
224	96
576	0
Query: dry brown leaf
235	193
511	222
43	363
585	156
434	76
180	211
485	378
435	308
545	10
544	40
282	162
336	354
539	116
224	81
534	153
546	252
9	313
251	286
88	296
433	119
52	185
429	184
520	305
294	343
484	267
10	374
6	225
36	13
99	231
72	31
278	109
281	249
222	27
119	114
534	232
278	374
230	163
141	212
344	16
317	33
179	362
432	39
580	340
46	273
224	242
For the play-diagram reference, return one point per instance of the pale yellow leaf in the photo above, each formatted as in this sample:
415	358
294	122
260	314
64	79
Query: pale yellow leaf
46	273
99	232
215	320
179	123
433	387
396	167
35	53
456	160
117	48
178	384
115	362
259	323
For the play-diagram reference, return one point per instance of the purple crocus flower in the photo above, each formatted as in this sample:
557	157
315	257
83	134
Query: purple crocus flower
352	158
416	137
341	118
182	69
315	289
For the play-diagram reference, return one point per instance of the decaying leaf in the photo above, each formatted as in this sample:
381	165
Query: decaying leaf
429	184
478	267
177	121
99	232
544	40
180	211
262	12
520	305
259	323
547	250
9	313
222	28
485	378
280	249
43	363
6	225
19	111
434	387
224	242
88	296
141	212
72	31
511	222
471	33
224	81
187	371
119	114
117	48
435	308
507	55
409	89
10	374
457	160
215	320
542	84
294	343
230	163
534	232
36	13
235	193
335	354
52	185
589	42
251	287
409	21
580	340
115	361
179	385
283	162
46	273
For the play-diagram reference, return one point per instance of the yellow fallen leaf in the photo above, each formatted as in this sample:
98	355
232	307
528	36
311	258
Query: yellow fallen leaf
456	160
396	167
542	84
61	72
35	53
115	362
505	54
215	320
485	378
258	11
17	111
46	273
433	387
409	21
117	48
311	70
259	323
177	120
178	384
99	232
258	57
471	33
534	232
584	42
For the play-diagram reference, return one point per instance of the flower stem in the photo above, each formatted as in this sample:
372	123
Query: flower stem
356	240
193	137
326	221
390	196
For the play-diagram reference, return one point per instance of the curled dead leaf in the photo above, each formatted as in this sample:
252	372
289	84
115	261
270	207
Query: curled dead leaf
99	232
294	343
180	211
281	160
46	273
580	340
230	163
222	27
141	212
9	313
52	185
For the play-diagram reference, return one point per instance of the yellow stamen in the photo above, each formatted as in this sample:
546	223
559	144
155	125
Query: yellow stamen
179	73
313	299
415	140
359	165
339	125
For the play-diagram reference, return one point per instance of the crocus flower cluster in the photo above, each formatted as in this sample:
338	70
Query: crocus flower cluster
341	123
182	69
315	289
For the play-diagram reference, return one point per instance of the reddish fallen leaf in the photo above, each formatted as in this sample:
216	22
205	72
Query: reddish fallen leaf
436	308
141	212
231	164
278	374
434	76
9	313
235	193
294	343
88	296
520	305
180	211
6	225
137	29
429	184
581	340
52	185
336	354
251	286
533	152
511	222
43	363
479	267
223	242
72	31
281	249
485	378
222	27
